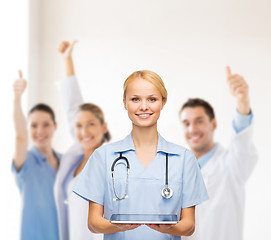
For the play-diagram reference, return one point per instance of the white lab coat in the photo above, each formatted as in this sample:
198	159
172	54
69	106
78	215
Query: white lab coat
71	98
225	175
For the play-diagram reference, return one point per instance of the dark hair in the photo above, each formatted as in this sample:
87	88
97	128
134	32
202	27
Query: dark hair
97	111
44	108
197	102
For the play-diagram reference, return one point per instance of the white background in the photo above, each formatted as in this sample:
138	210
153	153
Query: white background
188	43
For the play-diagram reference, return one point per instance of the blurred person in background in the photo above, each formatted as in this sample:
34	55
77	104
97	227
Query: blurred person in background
35	169
89	131
225	170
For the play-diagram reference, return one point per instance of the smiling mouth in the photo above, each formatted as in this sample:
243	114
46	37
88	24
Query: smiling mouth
144	115
195	138
40	139
87	140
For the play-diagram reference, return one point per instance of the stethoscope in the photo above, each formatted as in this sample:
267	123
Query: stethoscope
166	192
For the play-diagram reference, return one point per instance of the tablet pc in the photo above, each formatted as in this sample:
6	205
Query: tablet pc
144	218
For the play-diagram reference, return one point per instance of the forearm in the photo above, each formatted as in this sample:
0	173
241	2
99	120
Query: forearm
102	225
71	97
21	140
184	227
243	107
69	66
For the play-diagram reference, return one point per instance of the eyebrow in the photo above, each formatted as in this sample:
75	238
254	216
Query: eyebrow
139	95
197	118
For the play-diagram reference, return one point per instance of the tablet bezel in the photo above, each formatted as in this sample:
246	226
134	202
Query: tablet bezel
144	219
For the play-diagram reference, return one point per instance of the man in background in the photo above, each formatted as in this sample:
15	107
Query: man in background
225	171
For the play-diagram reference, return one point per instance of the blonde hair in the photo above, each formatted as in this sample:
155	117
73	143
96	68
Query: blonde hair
149	76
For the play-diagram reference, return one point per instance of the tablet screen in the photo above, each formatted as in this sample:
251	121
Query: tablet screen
144	218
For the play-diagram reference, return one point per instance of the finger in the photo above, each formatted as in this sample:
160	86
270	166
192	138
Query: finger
72	45
20	73
236	80
228	71
236	86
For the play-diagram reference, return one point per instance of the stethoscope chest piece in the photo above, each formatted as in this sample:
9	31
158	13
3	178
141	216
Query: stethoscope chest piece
167	192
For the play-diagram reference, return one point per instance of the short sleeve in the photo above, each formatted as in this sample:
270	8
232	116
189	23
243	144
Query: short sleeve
91	181
21	174
194	190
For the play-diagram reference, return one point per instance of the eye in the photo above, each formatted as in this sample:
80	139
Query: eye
78	126
135	99
152	99
33	125
46	125
91	124
186	124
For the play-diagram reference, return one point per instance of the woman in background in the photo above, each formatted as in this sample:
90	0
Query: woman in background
89	131
35	169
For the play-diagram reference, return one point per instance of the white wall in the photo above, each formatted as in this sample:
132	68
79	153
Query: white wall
13	55
187	43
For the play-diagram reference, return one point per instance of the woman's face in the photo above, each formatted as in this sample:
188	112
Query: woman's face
143	102
42	128
89	131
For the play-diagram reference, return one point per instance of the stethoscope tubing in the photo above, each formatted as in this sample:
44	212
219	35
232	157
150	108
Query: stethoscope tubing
112	173
166	191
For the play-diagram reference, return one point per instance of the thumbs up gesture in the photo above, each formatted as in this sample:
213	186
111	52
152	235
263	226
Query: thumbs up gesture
239	89
66	48
19	85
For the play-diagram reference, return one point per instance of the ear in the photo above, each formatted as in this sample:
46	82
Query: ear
105	128
124	102
214	124
55	126
163	104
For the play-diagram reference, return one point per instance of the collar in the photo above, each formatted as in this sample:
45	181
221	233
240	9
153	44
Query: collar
207	156
127	144
40	157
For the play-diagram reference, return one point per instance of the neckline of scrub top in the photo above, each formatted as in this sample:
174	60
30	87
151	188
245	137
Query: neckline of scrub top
41	158
163	146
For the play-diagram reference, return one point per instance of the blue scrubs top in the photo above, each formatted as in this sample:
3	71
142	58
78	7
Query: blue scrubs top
36	180
144	184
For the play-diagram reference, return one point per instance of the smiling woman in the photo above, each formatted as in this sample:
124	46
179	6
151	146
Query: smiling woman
145	152
35	169
89	130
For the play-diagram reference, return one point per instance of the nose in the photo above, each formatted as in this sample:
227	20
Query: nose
39	130
191	127
84	130
144	105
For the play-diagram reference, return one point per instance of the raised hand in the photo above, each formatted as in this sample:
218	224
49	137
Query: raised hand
21	139
239	89
66	48
19	85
